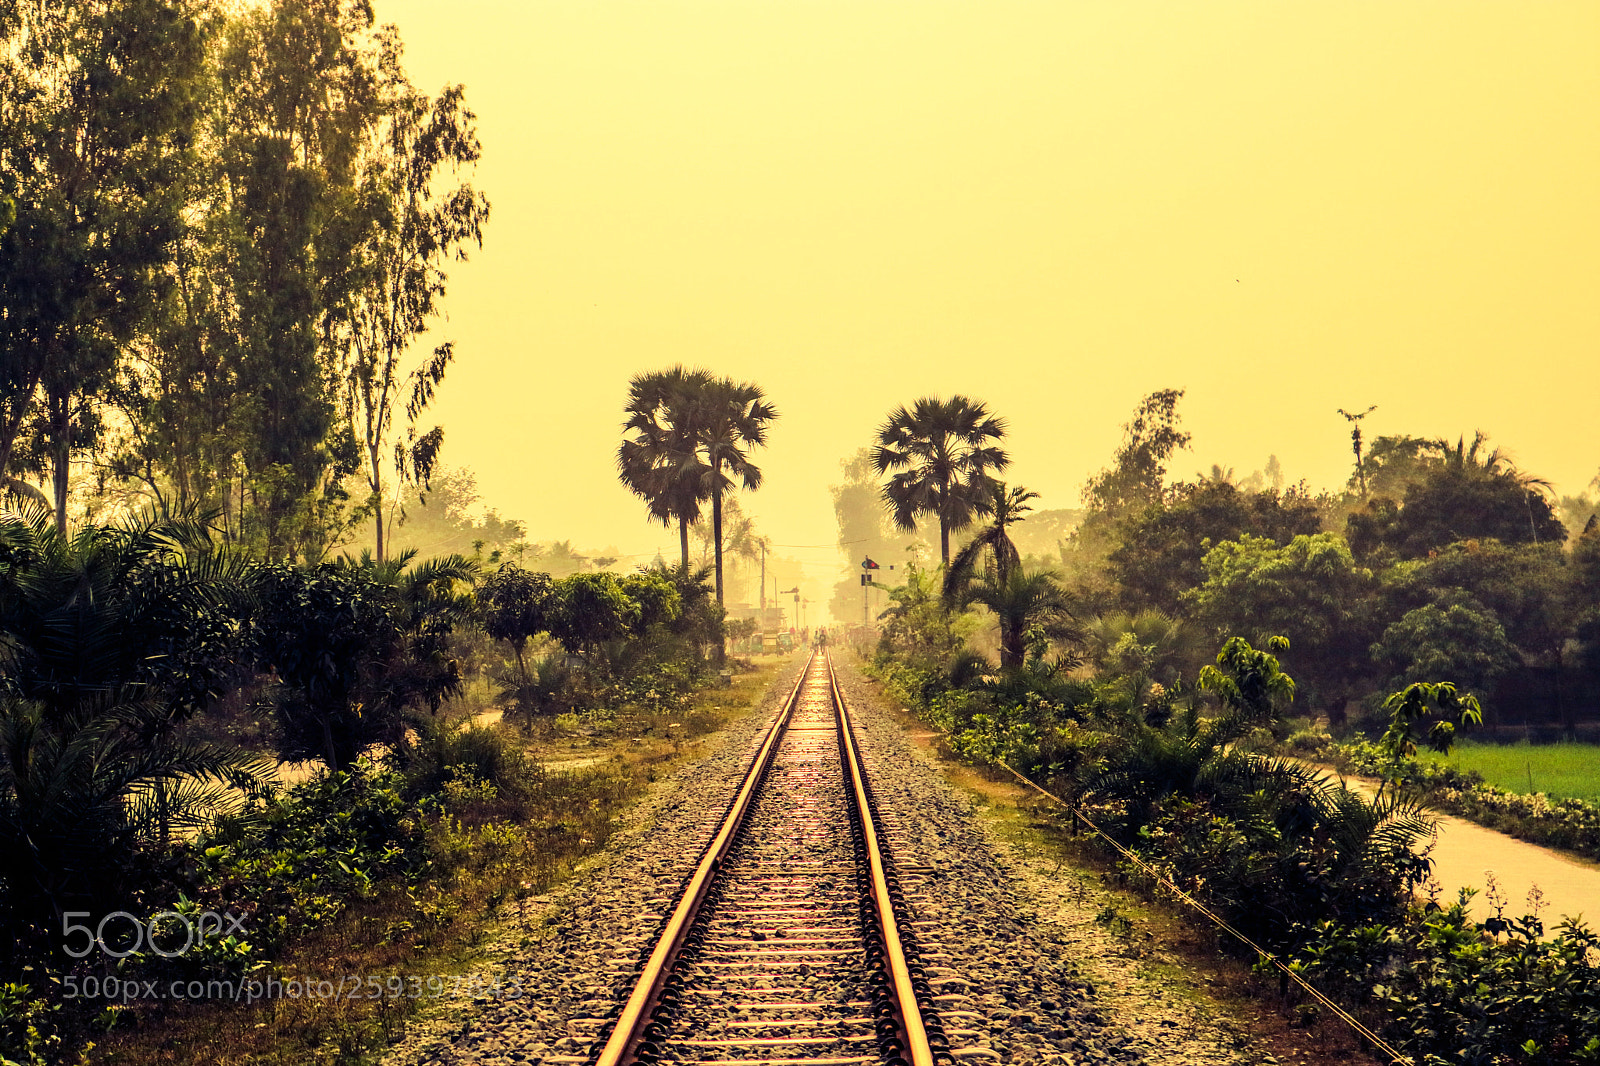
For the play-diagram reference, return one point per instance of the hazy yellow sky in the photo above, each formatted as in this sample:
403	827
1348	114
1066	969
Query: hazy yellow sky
1055	207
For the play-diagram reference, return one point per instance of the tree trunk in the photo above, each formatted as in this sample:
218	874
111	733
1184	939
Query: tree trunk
716	533
327	742
24	491
376	483
14	419
1011	650
716	539
1569	721
944	541
683	542
61	429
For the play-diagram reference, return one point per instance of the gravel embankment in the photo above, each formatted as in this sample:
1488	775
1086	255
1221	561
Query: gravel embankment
1024	972
572	954
1031	976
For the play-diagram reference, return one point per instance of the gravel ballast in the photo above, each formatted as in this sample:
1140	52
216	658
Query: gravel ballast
1023	972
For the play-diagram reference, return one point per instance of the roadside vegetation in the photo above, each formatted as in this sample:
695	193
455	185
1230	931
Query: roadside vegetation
1567	823
229	544
148	854
1146	671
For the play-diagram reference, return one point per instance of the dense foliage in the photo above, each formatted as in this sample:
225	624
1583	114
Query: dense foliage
118	644
231	224
1415	604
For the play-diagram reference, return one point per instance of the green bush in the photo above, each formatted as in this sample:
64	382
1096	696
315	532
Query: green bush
1309	743
297	859
30	1032
444	749
1450	990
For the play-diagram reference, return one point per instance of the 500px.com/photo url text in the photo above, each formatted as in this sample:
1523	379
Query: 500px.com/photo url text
251	990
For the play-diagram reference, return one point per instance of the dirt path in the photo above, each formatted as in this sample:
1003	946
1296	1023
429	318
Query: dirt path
1465	854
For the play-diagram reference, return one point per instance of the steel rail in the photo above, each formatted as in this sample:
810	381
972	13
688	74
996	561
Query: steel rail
628	1031
910	1013
630	1036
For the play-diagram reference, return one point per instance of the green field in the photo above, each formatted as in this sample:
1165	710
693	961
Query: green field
1560	770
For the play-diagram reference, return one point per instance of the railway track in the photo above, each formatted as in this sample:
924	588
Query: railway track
790	944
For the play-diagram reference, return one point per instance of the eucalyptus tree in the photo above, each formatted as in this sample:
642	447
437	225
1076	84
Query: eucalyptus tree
100	111
405	228
730	419
661	462
228	390
941	453
1138	467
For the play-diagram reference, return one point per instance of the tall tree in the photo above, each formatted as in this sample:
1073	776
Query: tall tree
100	111
405	229
1135	478
730	419
1355	442
1310	590
941	452
661	461
228	394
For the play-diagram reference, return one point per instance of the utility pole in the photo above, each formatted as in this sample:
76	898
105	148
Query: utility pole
867	566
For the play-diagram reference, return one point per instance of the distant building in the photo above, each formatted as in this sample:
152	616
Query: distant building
768	620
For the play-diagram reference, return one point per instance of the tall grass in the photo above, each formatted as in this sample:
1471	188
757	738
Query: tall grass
1562	771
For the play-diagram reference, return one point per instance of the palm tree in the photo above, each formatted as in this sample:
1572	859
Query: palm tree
110	636
1143	648
1022	603
1005	507
729	419
661	462
941	452
1496	462
1219	475
428	599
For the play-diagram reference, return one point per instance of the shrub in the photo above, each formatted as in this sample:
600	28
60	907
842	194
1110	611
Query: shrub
1452	990
443	749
